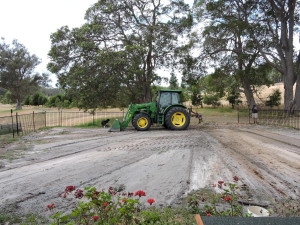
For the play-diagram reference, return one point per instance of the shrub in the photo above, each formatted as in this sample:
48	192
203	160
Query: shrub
228	197
113	206
36	99
211	100
274	98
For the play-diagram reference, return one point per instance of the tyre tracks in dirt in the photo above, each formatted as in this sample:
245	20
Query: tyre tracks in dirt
157	162
167	165
267	163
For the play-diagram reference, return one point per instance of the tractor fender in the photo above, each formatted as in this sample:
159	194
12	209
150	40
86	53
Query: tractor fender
171	106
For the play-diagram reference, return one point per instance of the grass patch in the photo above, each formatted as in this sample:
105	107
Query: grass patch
11	155
7	139
46	128
30	219
18	151
224	111
9	219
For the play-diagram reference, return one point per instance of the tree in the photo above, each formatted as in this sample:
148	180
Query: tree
228	43
196	97
119	47
212	100
17	71
274	98
173	82
233	98
272	26
38	99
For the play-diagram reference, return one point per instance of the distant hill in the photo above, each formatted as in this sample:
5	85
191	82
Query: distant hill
263	93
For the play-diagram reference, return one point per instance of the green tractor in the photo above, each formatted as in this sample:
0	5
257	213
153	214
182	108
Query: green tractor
166	111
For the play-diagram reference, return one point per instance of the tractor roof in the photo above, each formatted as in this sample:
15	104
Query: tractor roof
169	90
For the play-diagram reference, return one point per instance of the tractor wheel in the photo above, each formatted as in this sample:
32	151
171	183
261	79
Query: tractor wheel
141	122
177	118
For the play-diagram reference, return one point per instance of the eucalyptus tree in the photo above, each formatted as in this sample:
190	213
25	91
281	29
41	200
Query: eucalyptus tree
17	71
117	50
228	43
272	24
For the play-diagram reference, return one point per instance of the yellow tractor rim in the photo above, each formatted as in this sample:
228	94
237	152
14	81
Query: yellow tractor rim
178	119
142	122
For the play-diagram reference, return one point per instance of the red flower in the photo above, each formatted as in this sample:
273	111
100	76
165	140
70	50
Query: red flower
213	185
235	179
208	214
52	206
95	218
105	204
227	198
150	201
140	193
70	188
96	193
78	193
124	200
220	184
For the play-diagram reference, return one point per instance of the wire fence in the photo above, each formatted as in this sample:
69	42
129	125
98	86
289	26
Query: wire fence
280	118
276	117
27	123
65	118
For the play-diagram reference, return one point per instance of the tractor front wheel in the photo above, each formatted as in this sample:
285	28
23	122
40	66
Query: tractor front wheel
177	118
141	122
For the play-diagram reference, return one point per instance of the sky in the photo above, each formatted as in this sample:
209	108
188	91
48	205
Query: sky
32	21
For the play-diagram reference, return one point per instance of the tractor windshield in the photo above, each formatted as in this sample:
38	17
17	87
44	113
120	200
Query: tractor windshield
168	98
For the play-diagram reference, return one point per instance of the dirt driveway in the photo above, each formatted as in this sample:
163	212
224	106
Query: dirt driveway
165	164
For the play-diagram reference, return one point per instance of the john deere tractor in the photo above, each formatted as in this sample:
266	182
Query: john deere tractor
166	111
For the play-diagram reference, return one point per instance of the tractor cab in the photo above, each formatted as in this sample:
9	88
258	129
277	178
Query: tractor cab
166	98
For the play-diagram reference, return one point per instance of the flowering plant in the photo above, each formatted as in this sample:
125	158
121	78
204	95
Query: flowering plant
100	207
226	198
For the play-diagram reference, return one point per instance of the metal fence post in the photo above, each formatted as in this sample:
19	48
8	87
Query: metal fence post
93	114
17	122
61	117
45	119
12	122
33	121
249	112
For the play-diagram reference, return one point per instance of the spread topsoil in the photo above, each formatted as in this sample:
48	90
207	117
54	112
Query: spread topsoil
166	164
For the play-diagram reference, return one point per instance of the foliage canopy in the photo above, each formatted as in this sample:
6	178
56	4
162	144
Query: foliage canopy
117	51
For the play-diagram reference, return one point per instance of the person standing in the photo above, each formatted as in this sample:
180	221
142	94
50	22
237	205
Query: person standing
254	114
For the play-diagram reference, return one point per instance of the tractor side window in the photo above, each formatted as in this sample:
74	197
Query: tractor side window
165	99
175	98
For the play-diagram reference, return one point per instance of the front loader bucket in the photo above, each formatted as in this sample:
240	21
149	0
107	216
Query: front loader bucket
116	126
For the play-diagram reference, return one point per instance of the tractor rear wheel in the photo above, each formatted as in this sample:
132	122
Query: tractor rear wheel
177	118
141	122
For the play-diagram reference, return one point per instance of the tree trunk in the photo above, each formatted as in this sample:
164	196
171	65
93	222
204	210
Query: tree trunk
147	97
288	88
297	93
248	93
18	105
